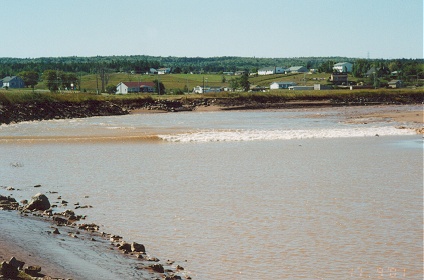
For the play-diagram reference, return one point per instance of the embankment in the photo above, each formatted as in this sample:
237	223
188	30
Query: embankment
45	109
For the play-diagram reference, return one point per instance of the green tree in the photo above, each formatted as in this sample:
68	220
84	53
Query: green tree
244	82
111	89
52	79
69	80
159	87
30	78
234	83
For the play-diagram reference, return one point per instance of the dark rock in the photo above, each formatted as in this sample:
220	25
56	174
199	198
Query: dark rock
115	238
37	186
60	221
8	203
8	271
89	227
158	268
32	270
15	263
125	246
56	231
38	202
136	247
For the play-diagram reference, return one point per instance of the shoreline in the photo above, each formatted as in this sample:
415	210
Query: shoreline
46	109
67	248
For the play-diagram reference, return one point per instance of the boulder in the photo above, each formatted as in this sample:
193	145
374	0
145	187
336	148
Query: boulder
38	202
15	263
125	246
136	247
8	271
158	268
32	270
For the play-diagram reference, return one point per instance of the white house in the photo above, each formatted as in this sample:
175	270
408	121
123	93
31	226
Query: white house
343	67
200	89
271	71
12	82
162	71
297	69
132	87
281	85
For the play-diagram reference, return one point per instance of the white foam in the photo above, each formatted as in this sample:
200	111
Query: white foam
263	135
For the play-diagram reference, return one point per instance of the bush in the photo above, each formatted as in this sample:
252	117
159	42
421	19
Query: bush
111	89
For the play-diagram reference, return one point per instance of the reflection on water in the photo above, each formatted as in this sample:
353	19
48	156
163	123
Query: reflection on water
329	208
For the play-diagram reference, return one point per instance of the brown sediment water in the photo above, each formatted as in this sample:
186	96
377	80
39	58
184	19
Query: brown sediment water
331	206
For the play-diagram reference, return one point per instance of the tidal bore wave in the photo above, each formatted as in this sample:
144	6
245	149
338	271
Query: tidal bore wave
263	135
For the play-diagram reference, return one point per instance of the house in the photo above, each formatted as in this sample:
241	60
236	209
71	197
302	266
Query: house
135	87
271	71
321	87
371	72
153	71
239	73
12	82
281	85
343	67
338	78
201	90
162	71
297	69
395	84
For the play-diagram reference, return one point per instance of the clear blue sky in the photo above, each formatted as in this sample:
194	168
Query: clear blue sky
191	28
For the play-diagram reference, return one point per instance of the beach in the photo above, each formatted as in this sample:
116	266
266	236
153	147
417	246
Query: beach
22	230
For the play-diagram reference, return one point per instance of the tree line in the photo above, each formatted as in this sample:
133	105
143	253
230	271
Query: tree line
65	72
141	64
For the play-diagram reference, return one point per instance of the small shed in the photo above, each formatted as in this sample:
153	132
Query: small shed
395	84
281	85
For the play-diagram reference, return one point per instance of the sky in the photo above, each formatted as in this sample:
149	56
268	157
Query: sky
385	29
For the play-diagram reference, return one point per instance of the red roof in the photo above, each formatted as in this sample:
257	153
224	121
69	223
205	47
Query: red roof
139	84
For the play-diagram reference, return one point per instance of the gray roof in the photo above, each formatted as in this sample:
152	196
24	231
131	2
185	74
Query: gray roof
8	79
294	68
342	63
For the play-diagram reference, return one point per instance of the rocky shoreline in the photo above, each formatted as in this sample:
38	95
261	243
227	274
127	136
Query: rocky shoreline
69	227
47	110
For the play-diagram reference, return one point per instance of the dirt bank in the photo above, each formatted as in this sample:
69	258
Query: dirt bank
45	110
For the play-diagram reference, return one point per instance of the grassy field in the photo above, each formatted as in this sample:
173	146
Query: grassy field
173	82
27	96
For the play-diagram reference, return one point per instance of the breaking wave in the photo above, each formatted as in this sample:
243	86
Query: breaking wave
263	135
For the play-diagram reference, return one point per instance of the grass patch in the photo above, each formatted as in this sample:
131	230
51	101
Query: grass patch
395	95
